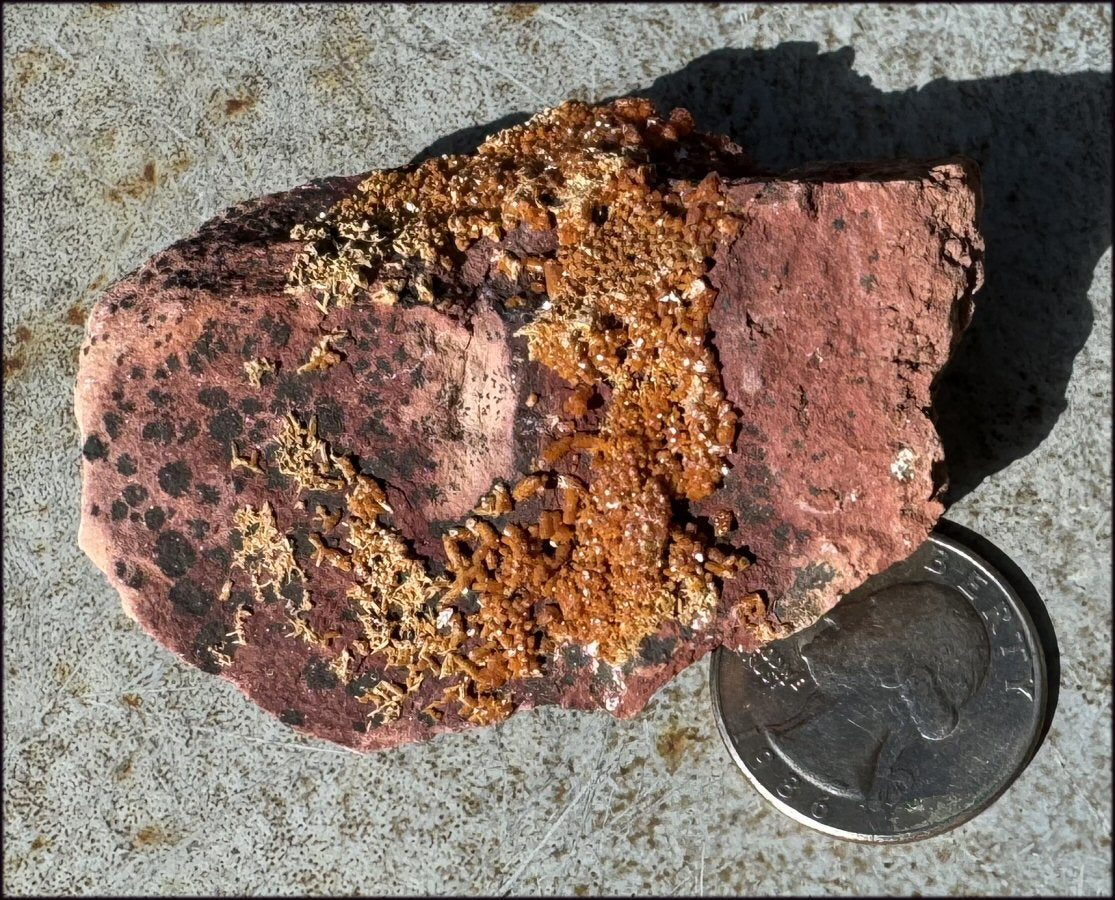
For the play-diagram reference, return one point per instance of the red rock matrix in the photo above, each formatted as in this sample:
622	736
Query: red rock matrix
404	453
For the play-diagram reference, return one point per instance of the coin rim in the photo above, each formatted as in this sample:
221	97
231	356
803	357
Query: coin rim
1041	695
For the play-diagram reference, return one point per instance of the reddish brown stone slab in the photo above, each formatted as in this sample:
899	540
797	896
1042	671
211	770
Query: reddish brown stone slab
839	302
839	298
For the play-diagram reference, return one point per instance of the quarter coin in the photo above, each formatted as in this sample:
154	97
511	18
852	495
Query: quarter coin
903	712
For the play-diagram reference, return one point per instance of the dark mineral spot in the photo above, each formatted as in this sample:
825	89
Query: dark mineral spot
574	656
293	591
112	424
213	397
300	539
279	332
219	555
162	431
135	494
198	528
133	580
838	224
189	430
330	421
173	362
174	478
291	392
209	494
119	510
374	427
209	344
125	465
174	555
138	372
121	401
292	717
364	683
235	540
226	426
754	513
603	677
94	448
212	635
154	518
655	649
189	597
250	406
318	676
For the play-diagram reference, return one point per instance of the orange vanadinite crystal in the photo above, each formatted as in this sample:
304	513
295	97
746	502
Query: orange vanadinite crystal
622	302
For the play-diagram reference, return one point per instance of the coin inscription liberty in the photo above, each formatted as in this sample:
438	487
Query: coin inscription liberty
903	712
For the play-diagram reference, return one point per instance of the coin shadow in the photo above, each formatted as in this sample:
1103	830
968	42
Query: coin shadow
1043	144
1030	598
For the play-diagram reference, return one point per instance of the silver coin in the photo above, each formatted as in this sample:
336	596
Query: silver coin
902	713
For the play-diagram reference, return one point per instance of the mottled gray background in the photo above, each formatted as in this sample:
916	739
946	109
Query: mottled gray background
127	126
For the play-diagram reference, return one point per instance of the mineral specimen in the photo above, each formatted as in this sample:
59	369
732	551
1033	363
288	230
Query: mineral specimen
406	452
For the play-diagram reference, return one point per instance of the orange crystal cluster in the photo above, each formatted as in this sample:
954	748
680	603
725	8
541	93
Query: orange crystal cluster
619	308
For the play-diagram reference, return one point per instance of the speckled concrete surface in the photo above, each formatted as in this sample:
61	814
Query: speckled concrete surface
126	127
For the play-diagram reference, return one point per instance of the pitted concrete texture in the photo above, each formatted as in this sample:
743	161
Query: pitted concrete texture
127	126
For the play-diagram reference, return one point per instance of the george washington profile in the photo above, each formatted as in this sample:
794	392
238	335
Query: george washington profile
892	671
